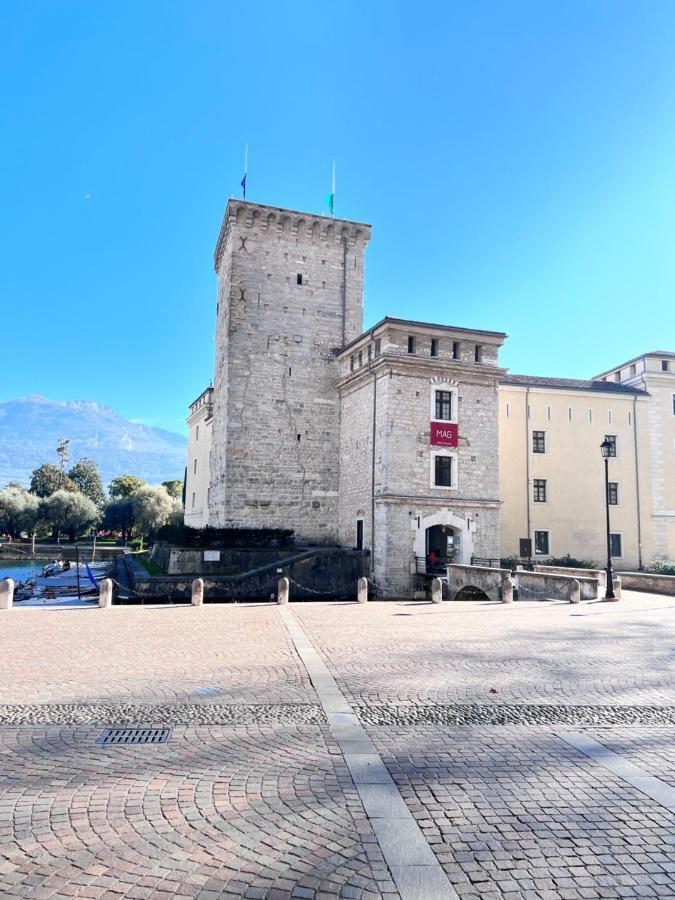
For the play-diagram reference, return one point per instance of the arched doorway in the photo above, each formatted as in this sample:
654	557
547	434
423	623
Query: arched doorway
446	535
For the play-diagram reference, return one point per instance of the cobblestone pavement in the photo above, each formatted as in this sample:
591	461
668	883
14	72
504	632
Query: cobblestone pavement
254	794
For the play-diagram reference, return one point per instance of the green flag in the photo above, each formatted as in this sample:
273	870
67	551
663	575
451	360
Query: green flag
330	200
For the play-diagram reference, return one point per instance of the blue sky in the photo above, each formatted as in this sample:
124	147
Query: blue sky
516	161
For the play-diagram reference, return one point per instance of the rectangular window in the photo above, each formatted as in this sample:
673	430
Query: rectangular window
615	543
541	547
540	490
613	493
633	369
359	534
539	442
478	353
612	443
351	364
378	344
193	499
444	406
674	404
433	351
664	365
194	468
197	433
299	278
455	349
360	358
411	344
443	471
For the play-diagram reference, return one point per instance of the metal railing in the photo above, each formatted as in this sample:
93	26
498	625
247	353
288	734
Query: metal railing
432	568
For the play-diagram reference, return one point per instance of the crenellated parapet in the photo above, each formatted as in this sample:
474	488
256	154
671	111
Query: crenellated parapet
287	224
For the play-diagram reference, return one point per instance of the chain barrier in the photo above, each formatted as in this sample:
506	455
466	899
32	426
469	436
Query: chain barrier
303	587
383	592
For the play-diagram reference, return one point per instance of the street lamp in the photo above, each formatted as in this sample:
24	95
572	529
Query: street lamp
606	449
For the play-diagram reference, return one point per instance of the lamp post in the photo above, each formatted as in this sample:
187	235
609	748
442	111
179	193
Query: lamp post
606	449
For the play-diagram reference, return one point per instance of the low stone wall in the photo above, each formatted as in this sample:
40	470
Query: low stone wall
648	584
230	561
315	574
490	581
59	551
539	586
599	574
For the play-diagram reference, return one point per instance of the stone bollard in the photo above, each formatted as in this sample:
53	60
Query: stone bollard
436	590
197	592
362	590
105	592
617	587
575	594
507	589
6	593
283	586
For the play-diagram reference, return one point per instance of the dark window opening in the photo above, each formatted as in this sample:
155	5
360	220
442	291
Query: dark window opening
541	543
359	534
539	442
378	344
611	439
411	344
664	365
615	545
434	347
478	353
443	471
298	436
444	405
360	358
455	349
299	278
540	490
613	493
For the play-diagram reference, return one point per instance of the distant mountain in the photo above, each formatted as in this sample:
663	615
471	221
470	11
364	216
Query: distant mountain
30	428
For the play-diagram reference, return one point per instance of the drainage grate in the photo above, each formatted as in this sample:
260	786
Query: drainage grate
134	736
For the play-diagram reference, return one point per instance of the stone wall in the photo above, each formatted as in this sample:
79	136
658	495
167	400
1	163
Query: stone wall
650	584
189	561
600	575
276	422
535	586
331	572
488	580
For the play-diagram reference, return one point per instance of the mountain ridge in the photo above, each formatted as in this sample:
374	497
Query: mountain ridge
30	428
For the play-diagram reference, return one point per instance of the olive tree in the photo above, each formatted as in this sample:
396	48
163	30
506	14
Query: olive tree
174	488
69	512
19	510
48	478
152	508
87	479
124	486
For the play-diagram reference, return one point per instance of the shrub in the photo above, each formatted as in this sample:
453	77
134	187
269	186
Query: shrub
660	567
570	562
184	536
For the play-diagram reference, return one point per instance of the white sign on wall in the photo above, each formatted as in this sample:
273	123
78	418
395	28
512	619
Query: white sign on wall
212	556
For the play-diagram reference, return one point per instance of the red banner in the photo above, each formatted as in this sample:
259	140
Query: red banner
444	434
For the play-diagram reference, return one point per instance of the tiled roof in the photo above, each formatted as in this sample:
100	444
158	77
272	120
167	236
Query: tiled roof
572	384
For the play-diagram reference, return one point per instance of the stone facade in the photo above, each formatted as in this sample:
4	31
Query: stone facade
389	379
200	423
290	296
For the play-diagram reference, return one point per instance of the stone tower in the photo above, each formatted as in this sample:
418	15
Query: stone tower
290	296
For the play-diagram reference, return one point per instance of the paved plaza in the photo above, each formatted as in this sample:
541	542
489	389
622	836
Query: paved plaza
395	749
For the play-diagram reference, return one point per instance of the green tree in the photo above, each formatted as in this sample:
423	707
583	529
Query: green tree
124	486
48	478
68	511
86	477
174	488
152	508
119	516
19	510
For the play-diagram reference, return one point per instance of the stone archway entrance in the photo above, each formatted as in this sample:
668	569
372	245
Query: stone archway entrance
446	534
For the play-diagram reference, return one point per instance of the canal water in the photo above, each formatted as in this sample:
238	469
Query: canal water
19	570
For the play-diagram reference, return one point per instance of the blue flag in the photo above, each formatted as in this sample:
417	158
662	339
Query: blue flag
89	575
243	184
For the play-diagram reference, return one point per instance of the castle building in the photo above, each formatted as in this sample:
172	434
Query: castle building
409	440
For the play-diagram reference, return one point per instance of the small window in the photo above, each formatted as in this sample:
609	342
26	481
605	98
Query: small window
664	365
433	350
478	353
508	410
193	499
633	369
194	467
351	363
197	433
443	471
359	534
541	547
613	493
609	416
377	348
299	278
569	413
615	545
540	490
456	349
360	358
674	404
617	376
611	438
443	406
539	442
411	344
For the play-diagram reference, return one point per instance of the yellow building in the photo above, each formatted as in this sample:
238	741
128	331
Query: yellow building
552	471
